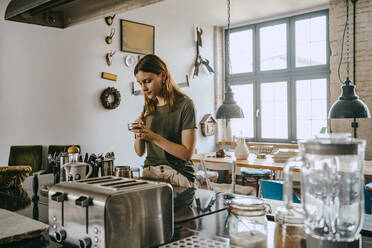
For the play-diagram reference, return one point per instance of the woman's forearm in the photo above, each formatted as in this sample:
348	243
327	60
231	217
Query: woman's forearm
178	150
139	146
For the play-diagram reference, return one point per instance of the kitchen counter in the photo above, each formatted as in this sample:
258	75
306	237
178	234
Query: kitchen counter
215	227
189	204
196	211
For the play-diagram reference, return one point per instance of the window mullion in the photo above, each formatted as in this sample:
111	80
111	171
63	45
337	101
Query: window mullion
291	98
256	54
258	111
292	108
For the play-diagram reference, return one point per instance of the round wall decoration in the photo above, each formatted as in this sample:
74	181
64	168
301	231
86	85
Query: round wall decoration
129	60
110	98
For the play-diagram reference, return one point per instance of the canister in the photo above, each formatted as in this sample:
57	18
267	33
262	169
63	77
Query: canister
63	160
123	171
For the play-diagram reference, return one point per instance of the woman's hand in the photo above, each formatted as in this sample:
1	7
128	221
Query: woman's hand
145	133
138	123
139	144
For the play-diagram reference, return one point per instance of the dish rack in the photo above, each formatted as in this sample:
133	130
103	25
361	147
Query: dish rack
198	241
260	149
283	155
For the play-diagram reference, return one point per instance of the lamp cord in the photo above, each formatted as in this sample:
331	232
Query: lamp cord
347	40
346	30
228	44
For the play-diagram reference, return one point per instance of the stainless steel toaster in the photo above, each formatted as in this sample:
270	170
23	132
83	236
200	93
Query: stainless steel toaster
111	212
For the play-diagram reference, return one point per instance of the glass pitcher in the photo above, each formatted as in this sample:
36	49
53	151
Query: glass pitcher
332	182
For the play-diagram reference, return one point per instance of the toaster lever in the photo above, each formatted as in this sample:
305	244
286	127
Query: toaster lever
59	197
83	201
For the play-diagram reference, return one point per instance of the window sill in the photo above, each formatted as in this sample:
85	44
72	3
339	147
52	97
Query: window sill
275	145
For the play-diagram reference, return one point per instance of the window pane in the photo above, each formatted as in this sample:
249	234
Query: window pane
274	114
241	58
311	107
311	41
273	47
243	95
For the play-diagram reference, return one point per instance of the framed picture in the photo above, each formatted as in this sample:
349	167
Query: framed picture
137	37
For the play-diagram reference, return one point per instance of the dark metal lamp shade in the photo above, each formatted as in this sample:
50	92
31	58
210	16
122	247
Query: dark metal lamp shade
349	105
229	109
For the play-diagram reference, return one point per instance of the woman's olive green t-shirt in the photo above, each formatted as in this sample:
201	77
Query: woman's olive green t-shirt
170	126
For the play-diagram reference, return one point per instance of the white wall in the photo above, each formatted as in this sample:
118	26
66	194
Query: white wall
50	81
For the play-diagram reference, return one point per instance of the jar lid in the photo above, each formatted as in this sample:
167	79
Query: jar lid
247	204
332	144
73	149
283	215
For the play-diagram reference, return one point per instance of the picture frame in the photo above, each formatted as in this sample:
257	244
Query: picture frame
137	37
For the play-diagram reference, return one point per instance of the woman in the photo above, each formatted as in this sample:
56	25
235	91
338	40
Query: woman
167	131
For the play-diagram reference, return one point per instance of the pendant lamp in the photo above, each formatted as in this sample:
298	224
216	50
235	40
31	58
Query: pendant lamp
348	105
229	109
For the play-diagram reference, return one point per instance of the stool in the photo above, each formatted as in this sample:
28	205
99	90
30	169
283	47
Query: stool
257	174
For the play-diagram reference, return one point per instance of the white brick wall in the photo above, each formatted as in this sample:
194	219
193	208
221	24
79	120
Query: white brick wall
337	18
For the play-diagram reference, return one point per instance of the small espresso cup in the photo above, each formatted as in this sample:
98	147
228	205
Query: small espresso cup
134	125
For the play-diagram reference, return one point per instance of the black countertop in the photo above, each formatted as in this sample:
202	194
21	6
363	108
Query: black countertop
215	227
196	210
189	204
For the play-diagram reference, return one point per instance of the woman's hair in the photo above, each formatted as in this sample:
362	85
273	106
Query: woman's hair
154	64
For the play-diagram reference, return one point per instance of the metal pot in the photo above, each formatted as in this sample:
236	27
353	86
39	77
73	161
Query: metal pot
108	167
63	160
123	171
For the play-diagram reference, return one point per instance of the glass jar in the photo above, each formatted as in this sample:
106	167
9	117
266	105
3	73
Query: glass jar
248	223
289	230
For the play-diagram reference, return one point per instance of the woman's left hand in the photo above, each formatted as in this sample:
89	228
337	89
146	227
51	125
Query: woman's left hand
145	133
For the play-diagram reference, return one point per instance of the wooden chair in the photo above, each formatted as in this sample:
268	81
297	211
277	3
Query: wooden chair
27	155
222	187
201	177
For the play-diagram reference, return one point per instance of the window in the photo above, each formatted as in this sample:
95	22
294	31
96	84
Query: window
241	51
279	74
243	95
311	45
273	52
274	115
311	107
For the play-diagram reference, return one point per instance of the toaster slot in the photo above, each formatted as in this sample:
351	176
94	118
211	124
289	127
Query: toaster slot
101	180
116	183
120	186
94	179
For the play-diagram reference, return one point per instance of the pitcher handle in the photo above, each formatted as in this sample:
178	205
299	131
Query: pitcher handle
289	167
90	170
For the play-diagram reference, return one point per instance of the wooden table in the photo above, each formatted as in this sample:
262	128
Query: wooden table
260	163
